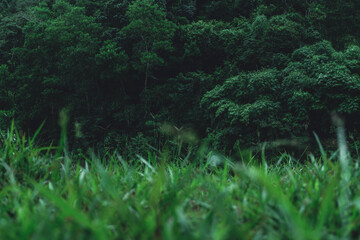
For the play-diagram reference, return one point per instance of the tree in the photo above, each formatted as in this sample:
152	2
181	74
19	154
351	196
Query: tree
319	80
245	108
150	34
13	17
57	62
270	104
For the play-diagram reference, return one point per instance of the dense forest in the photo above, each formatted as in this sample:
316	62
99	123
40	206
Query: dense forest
236	72
179	119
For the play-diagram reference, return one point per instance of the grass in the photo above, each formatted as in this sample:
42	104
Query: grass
58	196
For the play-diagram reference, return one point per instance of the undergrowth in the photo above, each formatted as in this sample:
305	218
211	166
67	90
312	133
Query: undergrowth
49	194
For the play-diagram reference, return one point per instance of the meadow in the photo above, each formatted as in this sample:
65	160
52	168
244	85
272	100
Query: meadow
47	193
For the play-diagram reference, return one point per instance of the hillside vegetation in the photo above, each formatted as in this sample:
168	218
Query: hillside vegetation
238	72
179	119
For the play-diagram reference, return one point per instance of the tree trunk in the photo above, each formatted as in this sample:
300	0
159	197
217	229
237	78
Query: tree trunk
147	74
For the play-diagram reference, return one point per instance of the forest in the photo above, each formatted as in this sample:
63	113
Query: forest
235	72
179	119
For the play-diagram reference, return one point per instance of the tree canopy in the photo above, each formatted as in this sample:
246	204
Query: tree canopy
239	72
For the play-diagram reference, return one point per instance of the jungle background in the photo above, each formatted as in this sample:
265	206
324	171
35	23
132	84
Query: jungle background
236	73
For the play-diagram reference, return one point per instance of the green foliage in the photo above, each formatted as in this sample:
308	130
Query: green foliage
281	67
136	76
150	34
92	197
352	58
328	75
181	10
112	59
169	98
227	9
207	44
268	104
58	40
13	17
269	42
248	104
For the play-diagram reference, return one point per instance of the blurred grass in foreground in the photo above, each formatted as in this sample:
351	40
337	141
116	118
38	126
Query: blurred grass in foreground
45	194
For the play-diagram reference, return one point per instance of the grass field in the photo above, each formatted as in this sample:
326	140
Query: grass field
58	196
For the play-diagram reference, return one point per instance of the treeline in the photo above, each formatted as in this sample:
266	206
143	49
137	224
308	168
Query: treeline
240	72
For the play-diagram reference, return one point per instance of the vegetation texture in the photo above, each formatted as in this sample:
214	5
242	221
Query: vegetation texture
162	91
60	196
239	72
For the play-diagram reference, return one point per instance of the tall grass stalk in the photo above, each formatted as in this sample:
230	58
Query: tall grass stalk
344	199
47	195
